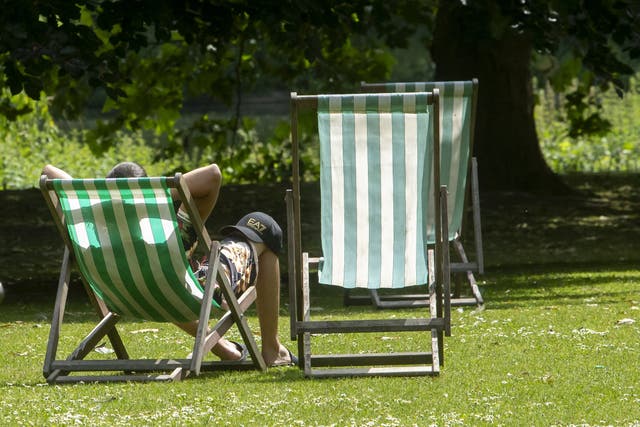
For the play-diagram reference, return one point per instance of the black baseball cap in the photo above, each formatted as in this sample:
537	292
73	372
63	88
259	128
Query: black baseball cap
258	227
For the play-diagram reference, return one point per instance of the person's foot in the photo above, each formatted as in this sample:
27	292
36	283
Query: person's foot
283	358
230	350
242	349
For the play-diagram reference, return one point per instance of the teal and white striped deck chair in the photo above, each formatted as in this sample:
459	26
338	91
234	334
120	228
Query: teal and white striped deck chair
378	181
123	237
458	100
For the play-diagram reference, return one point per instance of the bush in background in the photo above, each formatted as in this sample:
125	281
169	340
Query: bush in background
33	140
616	151
258	148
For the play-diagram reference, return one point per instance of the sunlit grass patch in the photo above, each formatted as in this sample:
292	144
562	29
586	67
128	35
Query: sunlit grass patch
546	348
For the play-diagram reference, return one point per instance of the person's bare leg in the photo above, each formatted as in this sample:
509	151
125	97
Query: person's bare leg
268	306
224	349
204	185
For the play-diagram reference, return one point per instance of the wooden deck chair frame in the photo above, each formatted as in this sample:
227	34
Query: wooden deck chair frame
77	368
303	328
464	268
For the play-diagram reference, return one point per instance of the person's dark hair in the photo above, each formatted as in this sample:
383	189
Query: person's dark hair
127	170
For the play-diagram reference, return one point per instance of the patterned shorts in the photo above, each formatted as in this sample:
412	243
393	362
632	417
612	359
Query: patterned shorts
239	264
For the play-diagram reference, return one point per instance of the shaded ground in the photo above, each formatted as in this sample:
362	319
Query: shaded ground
598	227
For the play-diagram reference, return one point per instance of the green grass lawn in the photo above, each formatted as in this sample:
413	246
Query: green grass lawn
558	342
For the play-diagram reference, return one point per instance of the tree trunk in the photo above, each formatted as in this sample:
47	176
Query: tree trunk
506	144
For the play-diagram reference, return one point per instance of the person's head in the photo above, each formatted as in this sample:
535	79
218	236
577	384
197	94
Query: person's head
127	170
258	227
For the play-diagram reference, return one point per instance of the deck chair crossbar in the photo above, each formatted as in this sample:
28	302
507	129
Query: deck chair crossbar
366	142
123	238
458	101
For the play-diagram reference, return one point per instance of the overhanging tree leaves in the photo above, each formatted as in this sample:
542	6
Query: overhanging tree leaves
147	56
573	44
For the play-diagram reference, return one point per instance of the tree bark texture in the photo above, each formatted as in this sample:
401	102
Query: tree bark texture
506	144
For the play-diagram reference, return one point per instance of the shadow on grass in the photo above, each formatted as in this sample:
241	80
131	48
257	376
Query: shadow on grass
560	284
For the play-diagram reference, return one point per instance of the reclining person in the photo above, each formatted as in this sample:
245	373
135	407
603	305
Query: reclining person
249	256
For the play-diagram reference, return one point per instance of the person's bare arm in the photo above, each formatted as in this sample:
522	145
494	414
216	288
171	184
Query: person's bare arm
53	172
204	185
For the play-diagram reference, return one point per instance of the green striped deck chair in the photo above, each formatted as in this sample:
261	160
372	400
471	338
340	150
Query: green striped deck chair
123	238
458	100
378	181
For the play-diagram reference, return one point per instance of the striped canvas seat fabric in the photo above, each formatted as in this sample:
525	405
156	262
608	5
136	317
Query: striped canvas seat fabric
456	104
376	185
127	245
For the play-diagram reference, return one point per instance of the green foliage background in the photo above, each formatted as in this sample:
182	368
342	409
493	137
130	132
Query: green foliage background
257	150
615	150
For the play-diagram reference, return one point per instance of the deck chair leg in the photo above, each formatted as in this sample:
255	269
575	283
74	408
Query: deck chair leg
98	333
205	310
478	266
477	227
437	343
89	343
457	288
375	298
58	313
349	299
113	335
436	309
296	294
436	336
225	322
104	328
305	341
445	271
470	277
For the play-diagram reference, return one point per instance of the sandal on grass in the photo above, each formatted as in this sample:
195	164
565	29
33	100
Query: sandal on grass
293	361
244	351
